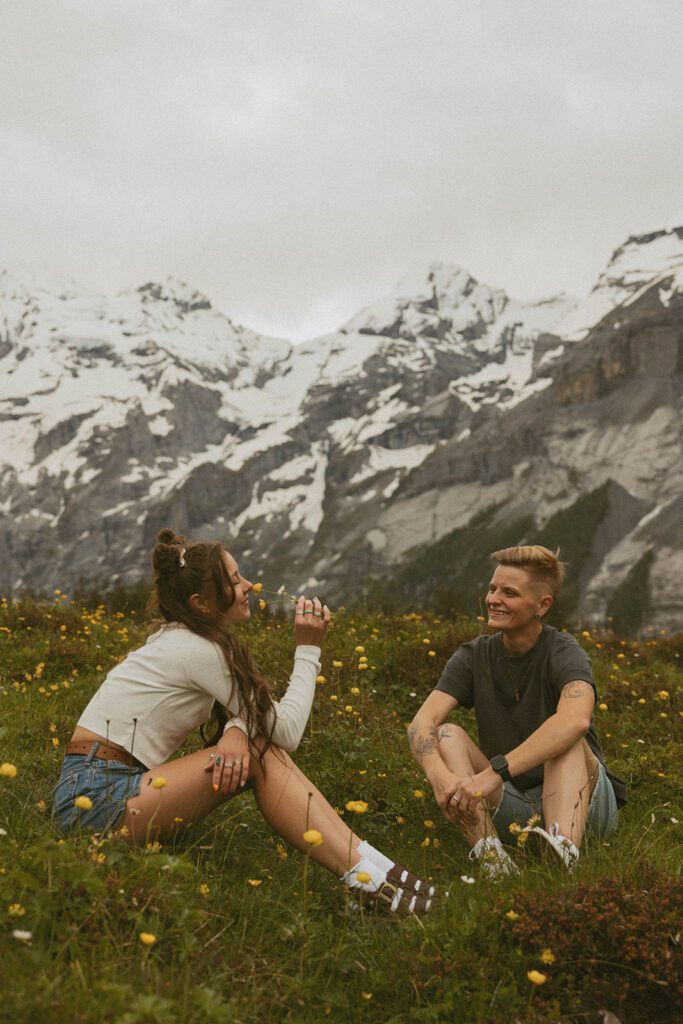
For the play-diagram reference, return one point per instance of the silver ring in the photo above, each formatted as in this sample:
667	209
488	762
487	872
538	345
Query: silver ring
455	799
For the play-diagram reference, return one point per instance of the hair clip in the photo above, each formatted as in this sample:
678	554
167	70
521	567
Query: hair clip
181	558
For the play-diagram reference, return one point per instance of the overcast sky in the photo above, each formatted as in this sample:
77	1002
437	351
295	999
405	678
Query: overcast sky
293	159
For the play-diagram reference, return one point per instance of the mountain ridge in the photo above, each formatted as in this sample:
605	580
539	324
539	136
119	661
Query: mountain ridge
119	415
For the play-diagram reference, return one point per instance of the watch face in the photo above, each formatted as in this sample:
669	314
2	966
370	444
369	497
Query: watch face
500	765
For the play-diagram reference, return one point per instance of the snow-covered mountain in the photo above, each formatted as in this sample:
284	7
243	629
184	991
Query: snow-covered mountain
122	414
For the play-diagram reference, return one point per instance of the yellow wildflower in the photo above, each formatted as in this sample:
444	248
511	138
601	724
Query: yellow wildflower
536	978
547	956
8	770
312	837
512	915
603	707
257	588
429	823
431	654
337	664
320	680
366	995
663	694
425	842
204	889
357	806
355	690
261	603
255	881
359	650
84	803
16	910
158	783
147	938
363	877
418	794
281	852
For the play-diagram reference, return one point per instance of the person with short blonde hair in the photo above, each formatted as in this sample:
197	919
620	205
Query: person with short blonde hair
538	770
541	564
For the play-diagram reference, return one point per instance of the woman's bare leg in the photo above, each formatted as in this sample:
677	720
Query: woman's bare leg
290	803
282	793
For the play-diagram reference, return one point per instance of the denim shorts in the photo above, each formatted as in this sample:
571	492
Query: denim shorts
109	784
516	807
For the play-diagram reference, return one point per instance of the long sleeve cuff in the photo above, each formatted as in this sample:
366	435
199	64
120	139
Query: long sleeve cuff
236	723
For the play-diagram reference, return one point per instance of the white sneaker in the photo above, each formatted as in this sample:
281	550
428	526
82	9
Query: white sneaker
494	862
538	841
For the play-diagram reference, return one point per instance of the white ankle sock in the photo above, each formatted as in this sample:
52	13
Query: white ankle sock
364	867
366	850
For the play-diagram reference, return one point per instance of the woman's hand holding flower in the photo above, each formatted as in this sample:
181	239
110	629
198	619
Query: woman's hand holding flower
310	621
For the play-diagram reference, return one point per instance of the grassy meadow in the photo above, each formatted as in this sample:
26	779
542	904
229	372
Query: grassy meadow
240	928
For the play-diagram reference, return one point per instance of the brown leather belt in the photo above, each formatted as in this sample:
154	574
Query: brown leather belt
104	752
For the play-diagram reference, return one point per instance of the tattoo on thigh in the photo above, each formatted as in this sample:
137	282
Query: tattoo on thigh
445	731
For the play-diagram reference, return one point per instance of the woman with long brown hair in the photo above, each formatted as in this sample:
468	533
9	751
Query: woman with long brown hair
193	671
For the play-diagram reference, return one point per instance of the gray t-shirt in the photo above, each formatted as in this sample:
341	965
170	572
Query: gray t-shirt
513	695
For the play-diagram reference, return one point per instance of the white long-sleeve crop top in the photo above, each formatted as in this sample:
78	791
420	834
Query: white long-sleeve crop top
152	700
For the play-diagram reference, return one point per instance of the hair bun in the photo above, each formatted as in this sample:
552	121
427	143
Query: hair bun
169	536
168	552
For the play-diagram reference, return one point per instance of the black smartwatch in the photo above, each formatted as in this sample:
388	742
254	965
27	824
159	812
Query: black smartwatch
499	763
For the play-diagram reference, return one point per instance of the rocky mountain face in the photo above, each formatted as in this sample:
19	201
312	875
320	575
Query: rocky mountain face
446	410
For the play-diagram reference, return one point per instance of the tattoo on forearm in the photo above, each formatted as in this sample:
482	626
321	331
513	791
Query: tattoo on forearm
573	690
422	746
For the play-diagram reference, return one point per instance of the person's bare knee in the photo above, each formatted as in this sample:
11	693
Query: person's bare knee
451	734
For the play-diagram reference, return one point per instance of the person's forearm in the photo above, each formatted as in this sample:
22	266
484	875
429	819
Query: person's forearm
552	738
424	746
293	709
